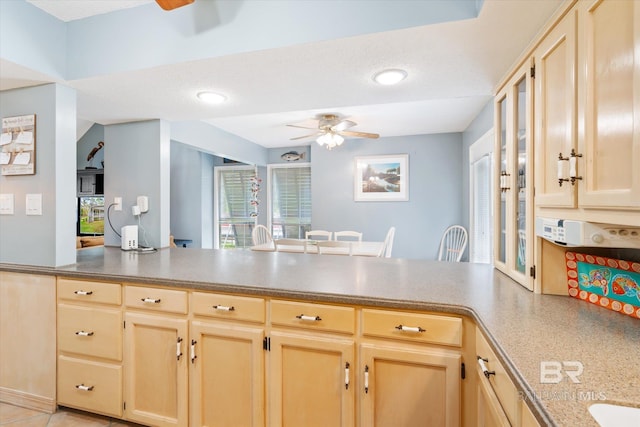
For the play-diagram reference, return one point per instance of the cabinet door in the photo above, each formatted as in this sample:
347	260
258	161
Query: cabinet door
308	381
156	363
226	375
609	58
409	387
490	413
555	114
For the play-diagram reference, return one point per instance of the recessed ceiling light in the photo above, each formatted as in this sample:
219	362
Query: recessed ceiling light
390	77
211	97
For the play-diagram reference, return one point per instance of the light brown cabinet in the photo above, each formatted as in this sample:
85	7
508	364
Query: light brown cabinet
226	361
311	364
156	356
89	336
588	113
407	378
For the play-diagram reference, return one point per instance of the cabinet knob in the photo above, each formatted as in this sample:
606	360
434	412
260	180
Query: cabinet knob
597	238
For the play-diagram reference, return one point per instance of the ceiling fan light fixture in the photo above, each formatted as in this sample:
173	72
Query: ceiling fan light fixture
211	97
390	77
330	140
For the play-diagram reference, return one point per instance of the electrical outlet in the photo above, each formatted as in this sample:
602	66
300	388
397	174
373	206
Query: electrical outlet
118	203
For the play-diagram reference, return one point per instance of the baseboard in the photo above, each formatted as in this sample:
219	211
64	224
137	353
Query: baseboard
27	400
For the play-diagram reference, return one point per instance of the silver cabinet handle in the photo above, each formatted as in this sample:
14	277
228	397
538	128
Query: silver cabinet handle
224	308
193	351
311	318
84	334
346	376
84	387
410	328
366	378
153	300
178	348
81	292
487	373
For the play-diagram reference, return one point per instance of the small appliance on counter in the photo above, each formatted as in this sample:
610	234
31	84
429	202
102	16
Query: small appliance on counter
129	237
590	234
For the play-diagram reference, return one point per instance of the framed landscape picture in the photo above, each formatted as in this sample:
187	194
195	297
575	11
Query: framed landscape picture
381	178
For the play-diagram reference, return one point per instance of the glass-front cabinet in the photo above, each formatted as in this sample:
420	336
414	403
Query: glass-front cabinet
514	204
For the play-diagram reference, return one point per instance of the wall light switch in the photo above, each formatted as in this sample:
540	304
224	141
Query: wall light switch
6	204
34	204
117	201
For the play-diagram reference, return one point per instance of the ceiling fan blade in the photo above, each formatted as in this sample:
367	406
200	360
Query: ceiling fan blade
344	124
301	127
173	4
305	136
359	134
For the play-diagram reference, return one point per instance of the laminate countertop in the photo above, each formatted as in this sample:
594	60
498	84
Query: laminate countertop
524	328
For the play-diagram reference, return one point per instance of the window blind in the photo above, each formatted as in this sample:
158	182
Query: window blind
290	201
234	208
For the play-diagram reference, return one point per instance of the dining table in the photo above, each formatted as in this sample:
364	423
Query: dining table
353	248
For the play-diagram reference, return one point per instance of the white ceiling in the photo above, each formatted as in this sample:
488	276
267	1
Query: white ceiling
453	71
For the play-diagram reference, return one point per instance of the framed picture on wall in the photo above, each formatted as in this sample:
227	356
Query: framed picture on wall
18	145
381	178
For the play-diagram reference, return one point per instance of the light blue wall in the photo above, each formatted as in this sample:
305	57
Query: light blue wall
435	192
49	239
137	163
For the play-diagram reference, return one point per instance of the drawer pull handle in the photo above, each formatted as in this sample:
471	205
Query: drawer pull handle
487	373
224	308
84	334
311	318
84	387
193	351
366	378
410	328
153	300
178	349
346	376
81	292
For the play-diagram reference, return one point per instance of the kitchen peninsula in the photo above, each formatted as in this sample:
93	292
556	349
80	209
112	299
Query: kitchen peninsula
523	329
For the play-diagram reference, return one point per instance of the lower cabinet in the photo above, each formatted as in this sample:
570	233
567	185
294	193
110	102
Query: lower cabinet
409	386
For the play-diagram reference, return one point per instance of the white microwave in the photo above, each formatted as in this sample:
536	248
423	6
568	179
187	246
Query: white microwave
581	233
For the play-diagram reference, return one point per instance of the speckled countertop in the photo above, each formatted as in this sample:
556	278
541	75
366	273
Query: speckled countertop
524	328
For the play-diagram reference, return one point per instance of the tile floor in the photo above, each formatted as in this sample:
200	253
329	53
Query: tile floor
15	416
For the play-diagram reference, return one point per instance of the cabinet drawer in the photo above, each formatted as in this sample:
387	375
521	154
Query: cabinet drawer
500	382
90	331
425	328
313	316
88	291
156	299
228	307
88	385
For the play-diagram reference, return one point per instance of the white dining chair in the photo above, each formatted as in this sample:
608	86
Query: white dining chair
314	234
333	247
453	244
348	235
385	252
261	236
291	245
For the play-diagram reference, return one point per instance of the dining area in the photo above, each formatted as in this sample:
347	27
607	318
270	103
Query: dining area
323	242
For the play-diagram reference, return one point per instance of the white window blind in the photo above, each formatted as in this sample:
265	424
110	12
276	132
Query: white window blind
290	190
235	220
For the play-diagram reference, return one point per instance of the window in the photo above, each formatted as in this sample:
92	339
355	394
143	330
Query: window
235	213
289	200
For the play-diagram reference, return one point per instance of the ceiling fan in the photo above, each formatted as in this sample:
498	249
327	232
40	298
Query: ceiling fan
173	4
332	130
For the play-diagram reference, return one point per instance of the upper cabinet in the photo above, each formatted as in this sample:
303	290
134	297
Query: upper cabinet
513	223
587	112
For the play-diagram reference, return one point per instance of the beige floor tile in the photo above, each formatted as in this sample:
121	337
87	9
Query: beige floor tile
38	421
69	418
10	413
